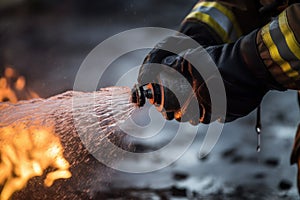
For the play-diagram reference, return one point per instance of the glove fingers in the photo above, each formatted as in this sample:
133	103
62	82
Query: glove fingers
172	45
148	74
150	69
204	103
193	121
168	115
156	56
177	43
190	111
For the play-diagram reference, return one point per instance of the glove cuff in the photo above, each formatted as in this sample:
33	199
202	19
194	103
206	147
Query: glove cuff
200	32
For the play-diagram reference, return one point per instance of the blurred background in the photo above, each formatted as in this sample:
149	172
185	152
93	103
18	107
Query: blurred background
47	40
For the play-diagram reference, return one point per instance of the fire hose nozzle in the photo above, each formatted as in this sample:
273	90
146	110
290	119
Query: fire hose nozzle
137	95
140	93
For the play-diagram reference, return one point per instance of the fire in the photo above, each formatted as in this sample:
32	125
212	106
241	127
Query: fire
26	150
13	87
25	153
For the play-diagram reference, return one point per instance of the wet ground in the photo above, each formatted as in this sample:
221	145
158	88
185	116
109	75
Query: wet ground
48	42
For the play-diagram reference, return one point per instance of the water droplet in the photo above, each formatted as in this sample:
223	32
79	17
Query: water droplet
258	148
258	129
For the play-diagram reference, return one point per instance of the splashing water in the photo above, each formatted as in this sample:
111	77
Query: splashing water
79	122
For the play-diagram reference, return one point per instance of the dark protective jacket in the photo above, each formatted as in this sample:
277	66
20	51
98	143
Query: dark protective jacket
277	42
265	39
254	47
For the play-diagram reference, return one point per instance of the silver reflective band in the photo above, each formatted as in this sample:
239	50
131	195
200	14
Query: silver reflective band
218	17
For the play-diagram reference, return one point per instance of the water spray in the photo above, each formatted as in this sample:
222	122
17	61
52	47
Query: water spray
60	132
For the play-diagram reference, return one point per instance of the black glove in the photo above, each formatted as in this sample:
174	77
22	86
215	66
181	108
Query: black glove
244	91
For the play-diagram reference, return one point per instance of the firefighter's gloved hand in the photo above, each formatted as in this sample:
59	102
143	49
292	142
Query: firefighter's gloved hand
180	100
244	91
160	52
159	66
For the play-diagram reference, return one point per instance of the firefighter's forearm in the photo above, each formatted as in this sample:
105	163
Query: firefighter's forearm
279	49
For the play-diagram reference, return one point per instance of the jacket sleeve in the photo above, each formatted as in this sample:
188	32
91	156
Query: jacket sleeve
213	22
221	21
275	45
279	48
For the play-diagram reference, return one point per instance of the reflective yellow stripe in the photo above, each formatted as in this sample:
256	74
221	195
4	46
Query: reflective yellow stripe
225	11
221	19
275	55
289	36
211	22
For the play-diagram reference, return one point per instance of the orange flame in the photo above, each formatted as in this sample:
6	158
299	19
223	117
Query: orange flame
13	87
25	153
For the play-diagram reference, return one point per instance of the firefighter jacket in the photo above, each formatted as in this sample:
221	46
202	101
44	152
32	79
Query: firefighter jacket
270	44
254	52
267	43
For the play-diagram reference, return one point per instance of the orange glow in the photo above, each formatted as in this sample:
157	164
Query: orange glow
9	72
6	93
177	115
20	83
25	153
13	87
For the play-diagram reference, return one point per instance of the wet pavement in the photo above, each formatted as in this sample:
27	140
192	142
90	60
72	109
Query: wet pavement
233	170
48	46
